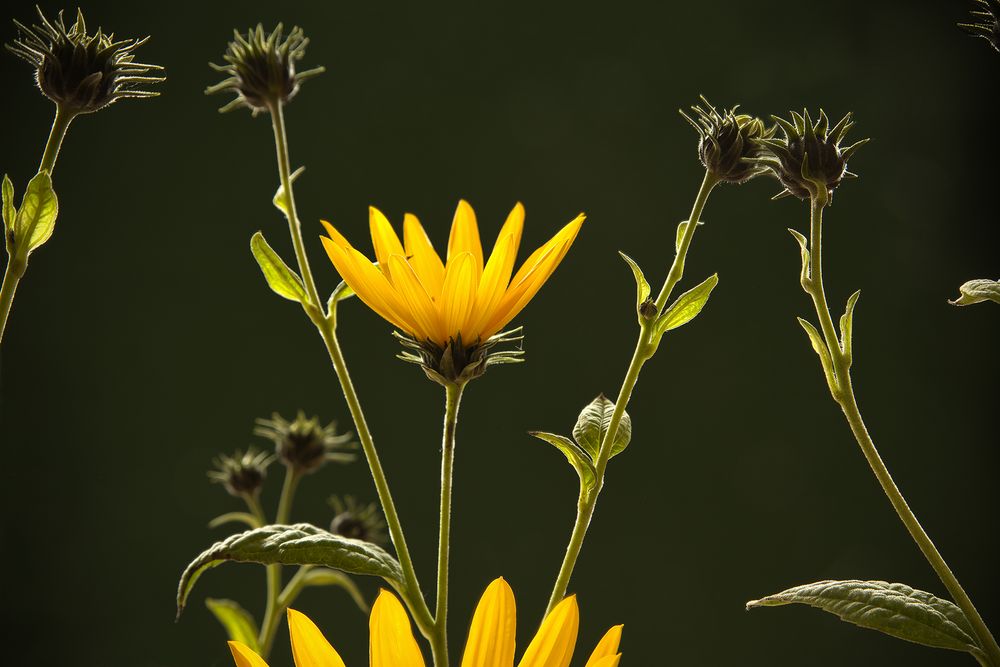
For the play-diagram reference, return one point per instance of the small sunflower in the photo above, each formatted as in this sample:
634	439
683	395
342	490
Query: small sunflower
450	310
490	643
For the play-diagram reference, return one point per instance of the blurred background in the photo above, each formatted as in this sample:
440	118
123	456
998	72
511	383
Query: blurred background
144	342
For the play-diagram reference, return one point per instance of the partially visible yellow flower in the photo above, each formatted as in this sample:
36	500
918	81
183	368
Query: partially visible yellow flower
463	299
490	643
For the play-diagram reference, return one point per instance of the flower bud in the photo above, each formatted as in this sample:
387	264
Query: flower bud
261	68
304	445
457	363
243	473
809	160
986	23
82	73
356	521
727	142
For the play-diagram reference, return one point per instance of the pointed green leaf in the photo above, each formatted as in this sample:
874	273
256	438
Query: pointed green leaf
341	292
641	286
9	211
239	624
592	426
804	249
820	348
576	456
298	544
36	218
281	279
895	609
847	325
234	517
279	196
322	576
681	228
977	291
687	306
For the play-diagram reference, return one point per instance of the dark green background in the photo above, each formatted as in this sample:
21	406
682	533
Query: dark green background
144	340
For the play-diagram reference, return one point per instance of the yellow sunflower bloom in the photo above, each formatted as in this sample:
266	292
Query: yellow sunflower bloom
465	298
490	643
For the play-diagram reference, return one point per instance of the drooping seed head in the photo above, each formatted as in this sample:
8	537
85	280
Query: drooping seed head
727	141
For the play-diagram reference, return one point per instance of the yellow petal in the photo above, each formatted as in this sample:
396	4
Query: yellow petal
335	236
244	656
422	256
513	225
422	310
391	642
553	645
384	239
493	283
491	636
465	236
607	647
458	295
369	284
309	646
608	661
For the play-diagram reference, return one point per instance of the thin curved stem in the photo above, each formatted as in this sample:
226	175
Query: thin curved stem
843	394
11	278
643	351
60	125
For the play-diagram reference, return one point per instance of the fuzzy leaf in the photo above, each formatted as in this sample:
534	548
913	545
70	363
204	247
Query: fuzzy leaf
36	218
681	228
281	279
9	211
593	423
577	457
641	285
977	291
298	544
687	306
847	325
239	624
895	609
279	196
804	249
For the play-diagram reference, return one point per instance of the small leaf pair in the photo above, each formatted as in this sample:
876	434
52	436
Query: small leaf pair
30	226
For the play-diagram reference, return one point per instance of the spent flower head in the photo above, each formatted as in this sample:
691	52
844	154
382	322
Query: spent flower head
261	68
243	473
986	22
304	445
357	521
82	72
809	160
728	142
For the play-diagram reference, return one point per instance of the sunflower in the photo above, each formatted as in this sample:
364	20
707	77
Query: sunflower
464	299
490	643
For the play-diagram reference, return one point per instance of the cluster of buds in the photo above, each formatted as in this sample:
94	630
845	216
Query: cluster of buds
986	23
260	69
243	473
728	143
304	445
356	521
82	72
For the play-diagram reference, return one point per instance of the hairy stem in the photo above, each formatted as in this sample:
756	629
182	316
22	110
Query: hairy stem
843	393
643	351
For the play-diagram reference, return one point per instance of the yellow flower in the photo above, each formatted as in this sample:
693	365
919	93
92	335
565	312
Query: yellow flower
490	643
463	299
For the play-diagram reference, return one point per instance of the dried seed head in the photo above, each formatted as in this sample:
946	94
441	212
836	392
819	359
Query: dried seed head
986	22
243	473
261	68
357	521
727	141
78	71
304	444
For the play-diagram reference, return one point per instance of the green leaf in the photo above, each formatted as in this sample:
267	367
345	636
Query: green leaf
847	326
341	292
36	218
820	348
641	285
322	576
279	196
298	544
234	517
804	248
239	624
681	228
592	426
577	458
977	291
9	211
687	306
895	609
279	277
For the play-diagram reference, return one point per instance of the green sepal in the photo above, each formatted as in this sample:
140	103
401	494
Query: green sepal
9	210
804	249
592	426
895	609
847	327
298	544
820	348
36	218
235	517
281	279
687	306
323	576
643	305
681	228
279	200
239	624
577	458
977	291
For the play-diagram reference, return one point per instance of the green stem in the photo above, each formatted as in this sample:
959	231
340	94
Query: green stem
273	574
287	496
643	351
843	393
439	644
17	262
